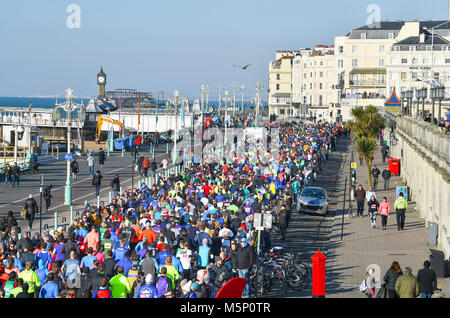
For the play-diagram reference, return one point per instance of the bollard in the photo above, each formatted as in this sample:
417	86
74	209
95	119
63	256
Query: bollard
86	204
110	196
56	220
121	191
98	202
318	272
122	150
71	214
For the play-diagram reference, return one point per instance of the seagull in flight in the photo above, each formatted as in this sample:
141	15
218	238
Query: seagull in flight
243	67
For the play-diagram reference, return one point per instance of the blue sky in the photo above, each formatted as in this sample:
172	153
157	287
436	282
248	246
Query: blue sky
166	45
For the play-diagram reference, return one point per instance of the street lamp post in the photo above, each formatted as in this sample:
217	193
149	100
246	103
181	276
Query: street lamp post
440	96
175	101
202	90
225	122
234	88
220	89
242	88
69	106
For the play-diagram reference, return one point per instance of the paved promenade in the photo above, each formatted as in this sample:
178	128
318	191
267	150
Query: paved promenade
82	189
348	258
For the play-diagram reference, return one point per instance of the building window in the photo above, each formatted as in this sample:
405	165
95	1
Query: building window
278	77
436	75
381	63
414	61
355	62
341	49
382	79
320	86
321	63
393	60
321	74
428	48
426	60
381	48
412	48
278	87
355	49
404	61
281	111
310	85
404	75
391	35
310	75
340	63
397	48
447	61
320	100
363	36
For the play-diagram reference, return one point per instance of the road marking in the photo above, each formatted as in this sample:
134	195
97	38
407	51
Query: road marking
62	187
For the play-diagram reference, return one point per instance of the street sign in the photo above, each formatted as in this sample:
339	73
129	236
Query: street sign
267	221
68	157
258	221
354	165
261	221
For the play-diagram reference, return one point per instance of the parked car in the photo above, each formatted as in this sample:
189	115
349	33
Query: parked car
313	200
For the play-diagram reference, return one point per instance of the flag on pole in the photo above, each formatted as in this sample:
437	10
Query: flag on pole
30	106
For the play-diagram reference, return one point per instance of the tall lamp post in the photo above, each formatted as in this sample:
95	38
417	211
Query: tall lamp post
242	89
220	89
225	122
423	94
438	93
202	104
234	88
175	101
69	106
207	90
409	95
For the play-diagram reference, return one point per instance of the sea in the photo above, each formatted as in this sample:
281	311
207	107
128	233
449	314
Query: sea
41	102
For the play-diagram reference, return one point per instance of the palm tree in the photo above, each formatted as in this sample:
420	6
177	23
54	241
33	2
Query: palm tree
367	147
365	128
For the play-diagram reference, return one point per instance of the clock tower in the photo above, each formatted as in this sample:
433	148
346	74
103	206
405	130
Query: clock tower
101	82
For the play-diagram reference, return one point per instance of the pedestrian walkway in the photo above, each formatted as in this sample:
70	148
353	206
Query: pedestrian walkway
362	246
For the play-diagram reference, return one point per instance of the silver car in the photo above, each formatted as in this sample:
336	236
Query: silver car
313	200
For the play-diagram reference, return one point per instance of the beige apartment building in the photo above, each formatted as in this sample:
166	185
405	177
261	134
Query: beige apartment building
362	68
421	60
280	84
313	81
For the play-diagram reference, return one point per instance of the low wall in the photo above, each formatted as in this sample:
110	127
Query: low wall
425	168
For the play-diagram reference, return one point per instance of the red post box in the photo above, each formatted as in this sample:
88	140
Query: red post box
394	166
318	286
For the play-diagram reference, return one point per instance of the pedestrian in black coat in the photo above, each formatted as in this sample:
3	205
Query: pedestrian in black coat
101	157
85	290
427	280
32	208
97	181
115	184
386	174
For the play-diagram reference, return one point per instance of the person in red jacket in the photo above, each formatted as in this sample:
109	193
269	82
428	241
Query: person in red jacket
384	210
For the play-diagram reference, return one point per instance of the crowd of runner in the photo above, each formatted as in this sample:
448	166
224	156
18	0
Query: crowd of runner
182	236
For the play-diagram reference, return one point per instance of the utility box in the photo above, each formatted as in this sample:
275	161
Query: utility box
432	233
437	262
